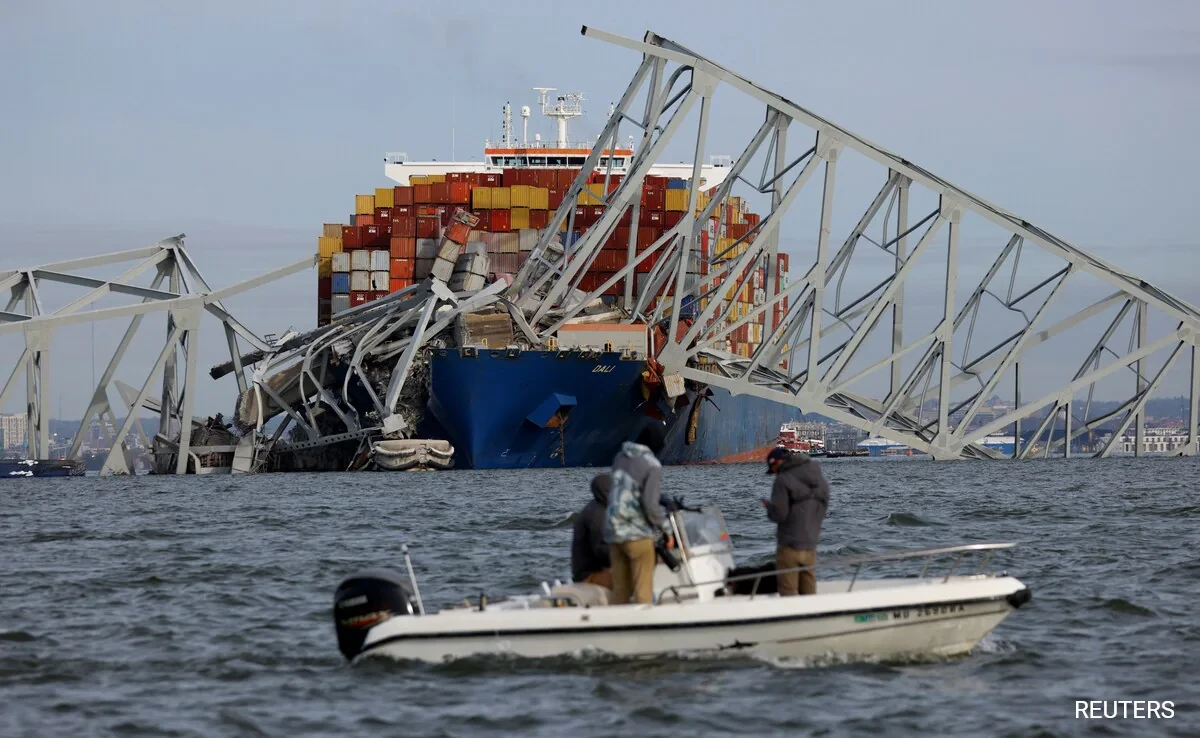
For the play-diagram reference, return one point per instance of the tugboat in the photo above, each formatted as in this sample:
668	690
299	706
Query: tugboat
792	436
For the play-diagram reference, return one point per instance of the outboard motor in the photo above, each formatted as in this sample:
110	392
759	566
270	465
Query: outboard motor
364	600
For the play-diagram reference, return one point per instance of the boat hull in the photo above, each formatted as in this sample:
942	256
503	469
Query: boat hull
498	412
906	622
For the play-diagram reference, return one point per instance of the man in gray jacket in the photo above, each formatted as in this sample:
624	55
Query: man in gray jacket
799	499
635	516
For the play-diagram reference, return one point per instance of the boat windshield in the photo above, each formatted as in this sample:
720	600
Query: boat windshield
704	528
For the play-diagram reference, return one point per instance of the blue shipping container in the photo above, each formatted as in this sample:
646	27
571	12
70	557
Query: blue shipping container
677	184
341	283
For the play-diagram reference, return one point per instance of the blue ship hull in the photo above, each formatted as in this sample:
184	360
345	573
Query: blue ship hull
542	409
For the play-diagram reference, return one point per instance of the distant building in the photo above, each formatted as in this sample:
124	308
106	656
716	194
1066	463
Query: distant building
1155	440
12	430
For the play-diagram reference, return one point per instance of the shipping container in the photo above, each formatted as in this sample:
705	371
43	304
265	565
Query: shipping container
439	193
324	287
422	194
427	248
327	246
435	178
332	230
490	179
481	198
359	297
324	266
379	280
404	226
360	260
527	239
501	198
460	193
402	268
339	302
364	205
677	200
421	268
519	218
395	284
364	220
519	196
360	280
340	282
499	221
403	247
385	197
402	195
379	260
539	219
340	261
554	198
428	226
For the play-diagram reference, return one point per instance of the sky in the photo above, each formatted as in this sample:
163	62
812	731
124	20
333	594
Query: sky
246	125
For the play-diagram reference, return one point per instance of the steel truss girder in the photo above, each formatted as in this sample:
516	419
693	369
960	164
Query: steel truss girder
818	382
186	298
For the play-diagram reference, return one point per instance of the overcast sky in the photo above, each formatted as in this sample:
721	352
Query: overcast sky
246	125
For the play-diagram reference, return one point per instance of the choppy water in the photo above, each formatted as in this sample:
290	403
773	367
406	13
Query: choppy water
157	606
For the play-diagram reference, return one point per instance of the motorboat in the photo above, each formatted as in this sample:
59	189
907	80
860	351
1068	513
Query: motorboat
703	604
412	455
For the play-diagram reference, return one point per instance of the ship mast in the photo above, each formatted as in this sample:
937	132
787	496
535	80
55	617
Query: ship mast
567	107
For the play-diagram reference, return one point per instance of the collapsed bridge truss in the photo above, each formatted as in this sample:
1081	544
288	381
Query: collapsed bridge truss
929	387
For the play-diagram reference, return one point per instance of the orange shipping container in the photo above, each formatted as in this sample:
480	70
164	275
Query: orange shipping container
402	195
398	283
460	193
423	194
403	247
402	268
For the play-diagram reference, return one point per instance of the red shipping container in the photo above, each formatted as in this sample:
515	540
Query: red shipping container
422	194
646	236
737	230
582	215
405	227
324	287
654	198
566	177
364	220
403	195
652	180
376	236
379	293
647	264
508	178
359	298
440	193
539	218
597	212
491	179
403	247
671	218
547	178
383	215
427	227
455	176
752	218
398	283
555	197
403	211
433	210
499	221
460	193
402	268
652	218
352	237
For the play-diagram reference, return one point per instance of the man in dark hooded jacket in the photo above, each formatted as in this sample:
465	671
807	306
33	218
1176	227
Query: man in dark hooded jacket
799	500
589	551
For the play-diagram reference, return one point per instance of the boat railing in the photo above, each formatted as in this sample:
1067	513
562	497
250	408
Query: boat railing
857	563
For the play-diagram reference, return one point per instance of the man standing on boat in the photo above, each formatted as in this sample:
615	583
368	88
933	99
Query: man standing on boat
590	561
799	499
635	516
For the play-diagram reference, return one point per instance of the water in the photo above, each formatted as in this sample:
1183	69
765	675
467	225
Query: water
201	606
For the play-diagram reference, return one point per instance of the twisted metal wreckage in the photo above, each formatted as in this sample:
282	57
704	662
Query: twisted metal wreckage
361	379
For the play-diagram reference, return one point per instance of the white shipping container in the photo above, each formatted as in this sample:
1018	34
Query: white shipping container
427	248
360	281
527	239
340	303
379	281
442	270
476	248
510	243
360	261
340	261
380	261
492	242
460	282
475	237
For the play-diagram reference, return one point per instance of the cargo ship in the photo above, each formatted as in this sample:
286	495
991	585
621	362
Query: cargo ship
574	403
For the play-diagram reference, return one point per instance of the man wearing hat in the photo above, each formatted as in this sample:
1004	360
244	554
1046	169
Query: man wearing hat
799	499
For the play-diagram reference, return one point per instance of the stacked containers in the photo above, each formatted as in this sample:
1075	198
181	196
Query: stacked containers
404	224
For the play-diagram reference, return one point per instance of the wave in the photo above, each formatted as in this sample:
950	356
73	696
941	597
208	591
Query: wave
1124	606
904	518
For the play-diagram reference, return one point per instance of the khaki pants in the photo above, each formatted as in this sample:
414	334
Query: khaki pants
633	571
602	578
796	582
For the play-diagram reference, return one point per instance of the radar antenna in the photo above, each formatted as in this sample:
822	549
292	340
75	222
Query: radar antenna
566	107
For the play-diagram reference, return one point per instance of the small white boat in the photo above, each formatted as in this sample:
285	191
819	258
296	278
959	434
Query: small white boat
698	608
